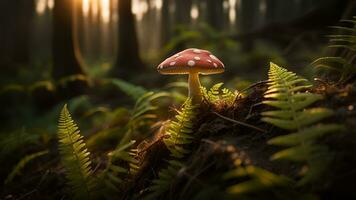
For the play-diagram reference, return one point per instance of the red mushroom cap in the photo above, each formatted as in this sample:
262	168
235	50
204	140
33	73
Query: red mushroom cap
191	61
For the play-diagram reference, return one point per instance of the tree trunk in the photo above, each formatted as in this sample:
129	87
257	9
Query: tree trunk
65	62
15	25
271	11
128	61
249	11
215	14
165	23
182	11
65	51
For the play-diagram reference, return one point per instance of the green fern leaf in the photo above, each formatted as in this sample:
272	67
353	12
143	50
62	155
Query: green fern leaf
74	156
180	135
180	130
113	175
164	180
346	41
260	179
305	135
216	93
134	91
287	92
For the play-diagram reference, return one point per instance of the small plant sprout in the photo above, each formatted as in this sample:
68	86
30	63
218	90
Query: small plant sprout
192	62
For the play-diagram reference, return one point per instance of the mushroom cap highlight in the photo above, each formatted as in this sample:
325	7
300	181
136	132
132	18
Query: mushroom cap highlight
192	61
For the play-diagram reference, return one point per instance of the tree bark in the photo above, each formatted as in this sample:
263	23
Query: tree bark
249	11
15	25
165	23
65	62
215	14
128	61
182	11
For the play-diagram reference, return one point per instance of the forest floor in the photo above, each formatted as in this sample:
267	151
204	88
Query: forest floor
223	140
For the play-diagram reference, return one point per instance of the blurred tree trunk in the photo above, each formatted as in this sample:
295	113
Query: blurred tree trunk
165	23
15	25
215	13
182	11
128	61
249	12
248	17
271	11
65	51
65	62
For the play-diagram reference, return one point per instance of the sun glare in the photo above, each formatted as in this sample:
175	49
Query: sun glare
96	6
41	6
194	12
105	11
86	7
139	8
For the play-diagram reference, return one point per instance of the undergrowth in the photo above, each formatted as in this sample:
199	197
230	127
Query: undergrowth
288	93
279	141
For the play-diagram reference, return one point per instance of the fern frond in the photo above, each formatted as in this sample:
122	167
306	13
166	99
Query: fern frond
345	40
164	180
217	93
258	179
134	91
228	95
287	92
141	112
307	134
22	163
180	135
213	93
113	174
180	130
74	156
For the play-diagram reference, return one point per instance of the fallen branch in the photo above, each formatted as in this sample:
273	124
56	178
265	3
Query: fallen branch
240	123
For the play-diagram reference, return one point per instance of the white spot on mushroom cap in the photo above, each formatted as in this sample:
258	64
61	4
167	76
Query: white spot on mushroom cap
172	63
209	60
213	57
196	58
191	63
196	51
215	65
160	67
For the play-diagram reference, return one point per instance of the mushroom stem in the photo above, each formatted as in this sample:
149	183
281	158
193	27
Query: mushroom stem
194	88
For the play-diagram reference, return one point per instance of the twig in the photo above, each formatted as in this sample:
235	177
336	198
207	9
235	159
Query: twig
250	87
255	84
251	109
240	123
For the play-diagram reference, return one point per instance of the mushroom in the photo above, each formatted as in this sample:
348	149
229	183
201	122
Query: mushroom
192	62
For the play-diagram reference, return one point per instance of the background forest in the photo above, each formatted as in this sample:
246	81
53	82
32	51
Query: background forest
261	132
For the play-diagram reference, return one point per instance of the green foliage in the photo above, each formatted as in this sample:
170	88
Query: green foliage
22	163
345	42
257	180
180	134
74	156
165	179
203	36
217	94
180	131
11	142
287	92
141	112
112	176
134	91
